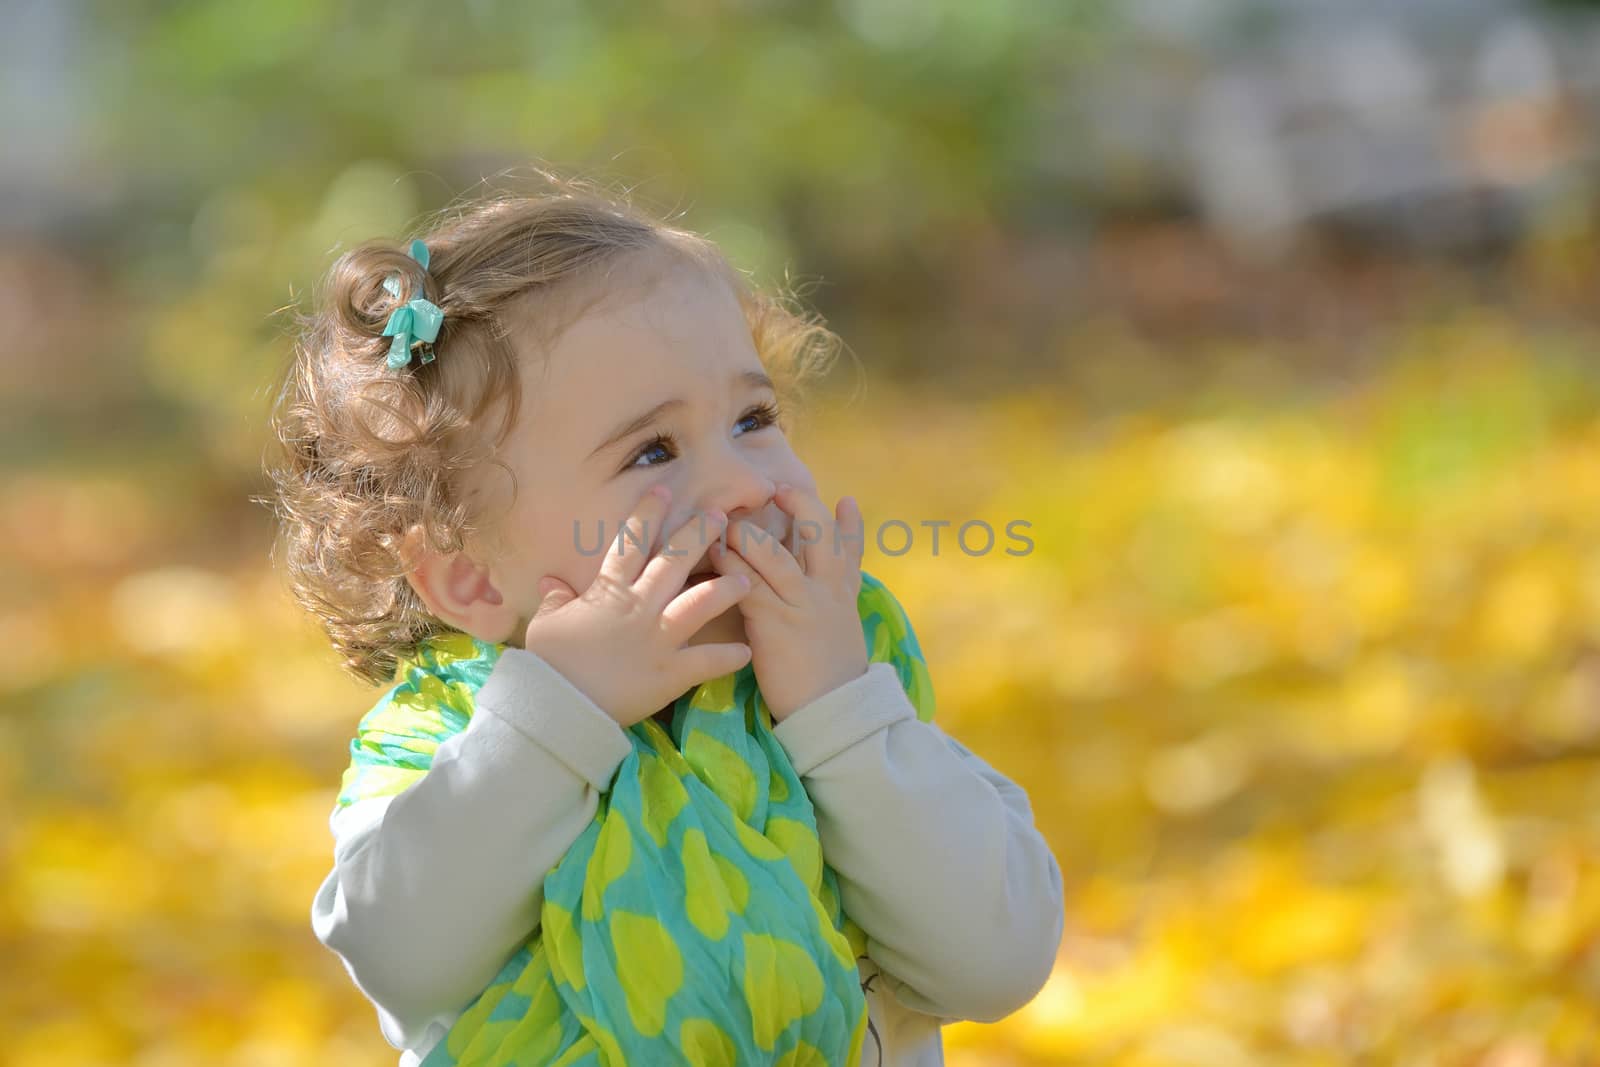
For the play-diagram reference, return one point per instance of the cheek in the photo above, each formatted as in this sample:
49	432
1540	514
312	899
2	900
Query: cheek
570	545
583	553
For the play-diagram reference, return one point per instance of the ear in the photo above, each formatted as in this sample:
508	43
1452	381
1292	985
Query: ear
458	590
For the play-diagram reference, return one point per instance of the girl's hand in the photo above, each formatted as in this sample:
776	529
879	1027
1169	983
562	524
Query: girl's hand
623	643
801	618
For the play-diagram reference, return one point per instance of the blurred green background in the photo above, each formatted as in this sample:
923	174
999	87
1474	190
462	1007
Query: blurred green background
1276	320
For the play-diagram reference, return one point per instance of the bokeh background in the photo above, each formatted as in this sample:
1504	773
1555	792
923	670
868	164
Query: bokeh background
1277	321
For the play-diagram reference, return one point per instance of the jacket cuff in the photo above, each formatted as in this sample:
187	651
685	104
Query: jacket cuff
544	706
816	732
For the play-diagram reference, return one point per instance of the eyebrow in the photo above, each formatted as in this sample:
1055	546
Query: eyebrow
749	378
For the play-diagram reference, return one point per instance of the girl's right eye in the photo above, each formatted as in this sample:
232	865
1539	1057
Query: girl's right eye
662	441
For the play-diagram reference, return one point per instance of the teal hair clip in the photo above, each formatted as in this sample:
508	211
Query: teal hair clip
417	320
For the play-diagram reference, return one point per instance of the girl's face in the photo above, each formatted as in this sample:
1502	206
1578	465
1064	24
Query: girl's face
659	384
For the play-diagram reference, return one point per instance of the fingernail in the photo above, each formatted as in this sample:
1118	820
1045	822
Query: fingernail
661	491
783	487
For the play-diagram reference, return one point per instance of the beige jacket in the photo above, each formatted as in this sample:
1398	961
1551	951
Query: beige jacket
936	853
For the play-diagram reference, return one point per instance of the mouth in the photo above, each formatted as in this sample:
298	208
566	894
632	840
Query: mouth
703	571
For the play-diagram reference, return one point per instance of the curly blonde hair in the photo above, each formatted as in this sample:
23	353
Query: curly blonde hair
365	454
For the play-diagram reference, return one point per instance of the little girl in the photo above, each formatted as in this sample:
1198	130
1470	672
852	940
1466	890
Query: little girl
655	780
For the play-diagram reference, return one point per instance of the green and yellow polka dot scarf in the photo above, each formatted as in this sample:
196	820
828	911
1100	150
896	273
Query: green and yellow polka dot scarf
694	920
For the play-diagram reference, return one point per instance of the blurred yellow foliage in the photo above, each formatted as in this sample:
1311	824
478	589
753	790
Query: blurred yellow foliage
1306	697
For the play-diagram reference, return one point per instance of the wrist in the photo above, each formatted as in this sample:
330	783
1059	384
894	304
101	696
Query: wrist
789	707
838	720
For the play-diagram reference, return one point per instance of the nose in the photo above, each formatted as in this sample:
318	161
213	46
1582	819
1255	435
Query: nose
734	487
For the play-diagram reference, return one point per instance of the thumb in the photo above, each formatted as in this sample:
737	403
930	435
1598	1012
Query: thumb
553	593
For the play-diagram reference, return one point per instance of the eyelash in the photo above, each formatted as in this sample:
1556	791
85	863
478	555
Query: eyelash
767	413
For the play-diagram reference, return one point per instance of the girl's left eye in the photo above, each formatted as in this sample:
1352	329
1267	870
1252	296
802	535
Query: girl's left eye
763	415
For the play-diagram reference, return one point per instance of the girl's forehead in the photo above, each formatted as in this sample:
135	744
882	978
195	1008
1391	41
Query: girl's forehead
686	323
632	349
637	302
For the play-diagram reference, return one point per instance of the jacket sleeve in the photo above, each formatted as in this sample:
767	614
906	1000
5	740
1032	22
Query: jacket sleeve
433	889
936	852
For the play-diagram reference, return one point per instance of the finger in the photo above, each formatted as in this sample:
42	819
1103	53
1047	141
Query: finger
698	605
811	540
700	663
631	548
767	557
851	532
730	563
666	572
